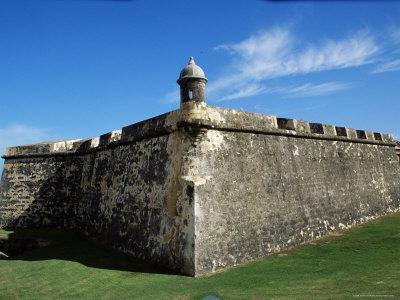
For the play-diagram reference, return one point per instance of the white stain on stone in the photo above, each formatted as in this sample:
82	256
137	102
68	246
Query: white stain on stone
213	141
198	210
116	135
94	142
296	151
326	224
63	145
196	180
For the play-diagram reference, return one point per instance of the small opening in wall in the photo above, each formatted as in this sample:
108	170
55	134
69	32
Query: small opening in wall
341	131
316	128
283	123
378	136
190	94
397	148
361	134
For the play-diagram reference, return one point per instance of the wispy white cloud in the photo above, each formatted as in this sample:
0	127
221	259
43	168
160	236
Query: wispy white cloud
290	109
388	66
312	90
277	52
291	91
394	34
390	58
244	91
171	97
20	134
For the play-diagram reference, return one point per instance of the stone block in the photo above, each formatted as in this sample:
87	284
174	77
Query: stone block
302	126
329	130
351	133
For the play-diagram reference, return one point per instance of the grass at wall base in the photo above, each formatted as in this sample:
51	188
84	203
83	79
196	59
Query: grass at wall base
363	262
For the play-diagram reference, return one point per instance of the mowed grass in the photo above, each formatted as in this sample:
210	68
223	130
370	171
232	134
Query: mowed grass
362	263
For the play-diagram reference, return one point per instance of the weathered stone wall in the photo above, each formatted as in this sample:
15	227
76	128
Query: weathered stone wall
123	189
31	192
264	184
203	188
265	193
131	198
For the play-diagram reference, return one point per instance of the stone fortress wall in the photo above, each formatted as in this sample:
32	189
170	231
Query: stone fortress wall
203	188
272	183
121	189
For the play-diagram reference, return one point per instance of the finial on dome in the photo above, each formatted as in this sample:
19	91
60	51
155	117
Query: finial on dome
192	81
191	70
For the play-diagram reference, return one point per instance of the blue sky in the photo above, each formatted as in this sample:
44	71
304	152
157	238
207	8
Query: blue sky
79	68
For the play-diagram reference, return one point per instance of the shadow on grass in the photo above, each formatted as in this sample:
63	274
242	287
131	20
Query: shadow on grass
70	246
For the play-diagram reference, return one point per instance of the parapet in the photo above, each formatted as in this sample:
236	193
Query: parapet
152	127
234	120
209	117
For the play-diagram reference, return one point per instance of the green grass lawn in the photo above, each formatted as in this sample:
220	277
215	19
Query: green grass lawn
363	263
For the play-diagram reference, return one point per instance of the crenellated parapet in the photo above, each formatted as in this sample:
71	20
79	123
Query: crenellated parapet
142	130
235	120
208	117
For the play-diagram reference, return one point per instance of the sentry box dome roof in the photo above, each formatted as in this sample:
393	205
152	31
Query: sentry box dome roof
191	71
